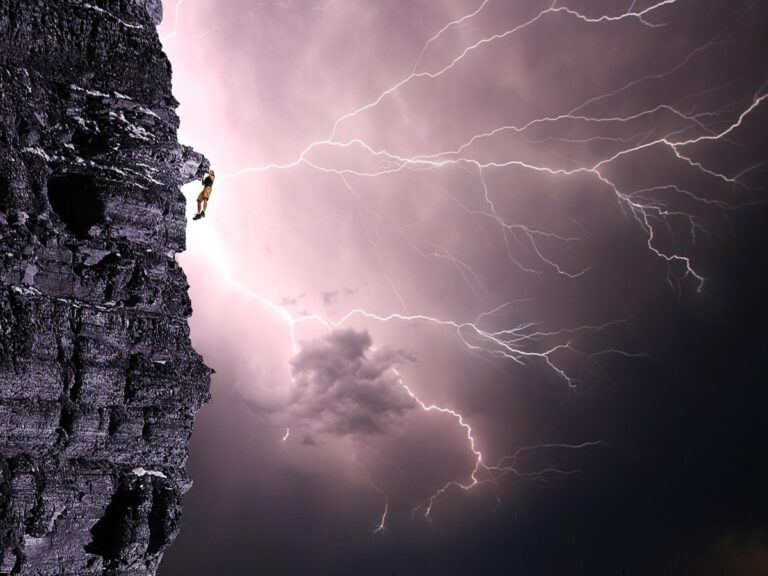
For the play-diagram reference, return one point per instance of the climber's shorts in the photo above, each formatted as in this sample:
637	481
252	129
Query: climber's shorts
205	194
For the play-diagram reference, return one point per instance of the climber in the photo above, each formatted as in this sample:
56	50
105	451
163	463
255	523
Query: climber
202	198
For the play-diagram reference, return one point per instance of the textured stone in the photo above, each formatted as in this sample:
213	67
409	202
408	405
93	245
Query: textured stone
99	384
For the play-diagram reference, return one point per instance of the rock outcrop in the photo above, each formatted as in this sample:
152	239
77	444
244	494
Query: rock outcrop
99	384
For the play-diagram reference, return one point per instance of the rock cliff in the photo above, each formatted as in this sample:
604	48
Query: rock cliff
99	384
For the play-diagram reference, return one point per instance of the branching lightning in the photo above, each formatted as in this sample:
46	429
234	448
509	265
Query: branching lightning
646	214
515	344
527	342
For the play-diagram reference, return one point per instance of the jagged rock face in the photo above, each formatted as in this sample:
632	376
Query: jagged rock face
99	384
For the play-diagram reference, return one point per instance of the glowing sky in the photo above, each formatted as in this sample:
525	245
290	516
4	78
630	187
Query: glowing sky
464	266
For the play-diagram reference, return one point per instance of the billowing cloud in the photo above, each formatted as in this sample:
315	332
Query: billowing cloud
344	386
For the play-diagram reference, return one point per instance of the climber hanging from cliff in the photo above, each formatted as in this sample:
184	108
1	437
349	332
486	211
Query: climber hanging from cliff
205	194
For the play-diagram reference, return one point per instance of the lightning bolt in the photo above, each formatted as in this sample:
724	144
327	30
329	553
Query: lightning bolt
646	214
648	207
507	343
176	14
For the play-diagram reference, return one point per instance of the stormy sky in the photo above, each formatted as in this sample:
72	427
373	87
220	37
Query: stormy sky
482	283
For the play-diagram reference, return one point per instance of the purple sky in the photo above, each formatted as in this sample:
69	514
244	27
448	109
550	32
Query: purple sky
428	243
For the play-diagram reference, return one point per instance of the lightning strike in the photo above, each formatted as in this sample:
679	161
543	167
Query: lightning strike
381	527
525	342
643	213
507	343
175	30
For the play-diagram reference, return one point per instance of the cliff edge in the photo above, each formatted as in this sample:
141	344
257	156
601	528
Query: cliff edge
99	384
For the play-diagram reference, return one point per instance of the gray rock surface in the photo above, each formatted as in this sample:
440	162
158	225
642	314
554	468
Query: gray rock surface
99	384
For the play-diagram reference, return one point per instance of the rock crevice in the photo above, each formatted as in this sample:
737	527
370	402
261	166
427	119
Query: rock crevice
99	384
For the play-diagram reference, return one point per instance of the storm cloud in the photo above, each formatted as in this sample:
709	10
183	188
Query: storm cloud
344	387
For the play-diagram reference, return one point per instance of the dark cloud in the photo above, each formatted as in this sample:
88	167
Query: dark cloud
330	297
291	301
345	387
307	440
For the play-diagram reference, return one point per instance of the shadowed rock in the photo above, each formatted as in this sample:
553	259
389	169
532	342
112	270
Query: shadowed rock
99	384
